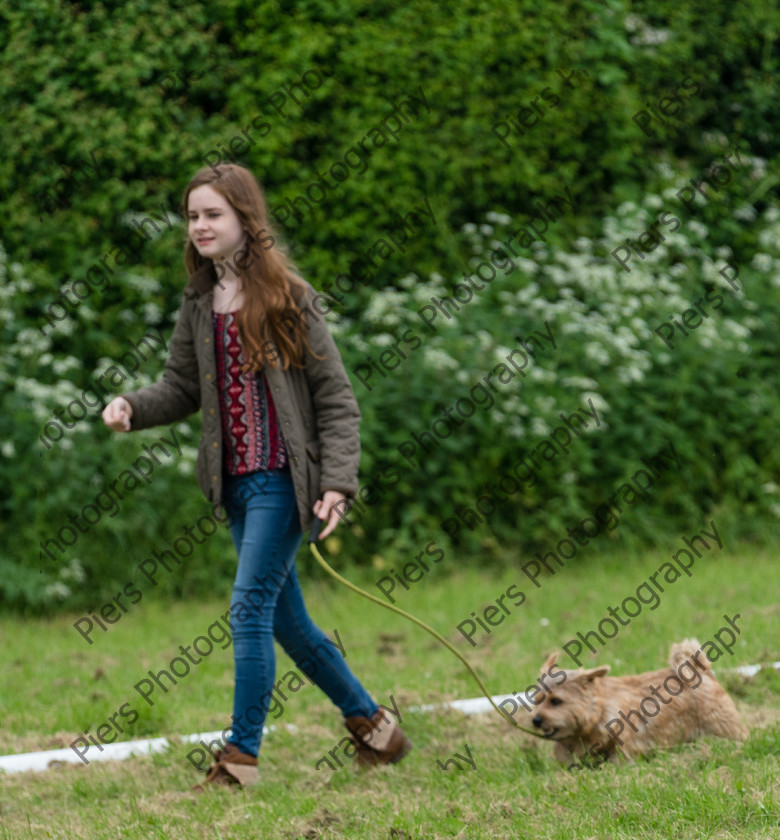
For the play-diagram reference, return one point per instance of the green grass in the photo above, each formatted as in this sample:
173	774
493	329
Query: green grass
56	686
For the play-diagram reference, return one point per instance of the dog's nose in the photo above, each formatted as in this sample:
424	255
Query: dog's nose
537	721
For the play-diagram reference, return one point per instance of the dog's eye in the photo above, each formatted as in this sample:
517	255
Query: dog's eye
555	701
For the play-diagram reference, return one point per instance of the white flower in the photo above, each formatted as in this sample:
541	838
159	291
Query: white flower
715	138
142	283
152	312
758	166
669	193
599	403
745	213
626	375
697	229
735	328
498	218
768	238
579	382
633	22
540	374
188	453
544	404
528	293
73	571
762	262
57	590
184	467
61	367
597	353
651	37
439	360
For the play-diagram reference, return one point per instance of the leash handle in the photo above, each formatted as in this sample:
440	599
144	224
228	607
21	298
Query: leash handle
316	527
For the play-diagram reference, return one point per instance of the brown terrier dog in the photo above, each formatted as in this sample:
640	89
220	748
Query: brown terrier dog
590	714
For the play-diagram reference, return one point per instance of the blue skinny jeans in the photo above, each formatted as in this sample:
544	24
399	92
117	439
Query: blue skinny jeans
267	603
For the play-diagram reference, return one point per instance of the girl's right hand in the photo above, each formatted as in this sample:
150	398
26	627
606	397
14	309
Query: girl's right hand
117	414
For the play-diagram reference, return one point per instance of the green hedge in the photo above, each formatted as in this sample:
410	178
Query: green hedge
109	108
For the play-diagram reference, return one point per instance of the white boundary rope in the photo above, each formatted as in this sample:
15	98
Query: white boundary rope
46	759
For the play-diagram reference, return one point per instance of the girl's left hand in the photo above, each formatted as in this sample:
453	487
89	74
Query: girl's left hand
325	509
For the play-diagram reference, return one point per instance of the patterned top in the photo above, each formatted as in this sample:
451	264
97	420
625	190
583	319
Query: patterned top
250	430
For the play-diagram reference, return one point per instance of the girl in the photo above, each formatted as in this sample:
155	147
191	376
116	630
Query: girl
279	444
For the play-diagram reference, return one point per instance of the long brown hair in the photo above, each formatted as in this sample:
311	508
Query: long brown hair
270	322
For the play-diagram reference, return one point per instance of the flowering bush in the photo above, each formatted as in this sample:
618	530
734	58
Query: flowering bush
708	390
102	187
582	332
55	464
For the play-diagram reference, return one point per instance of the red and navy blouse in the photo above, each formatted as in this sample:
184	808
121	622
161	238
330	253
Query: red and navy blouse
250	430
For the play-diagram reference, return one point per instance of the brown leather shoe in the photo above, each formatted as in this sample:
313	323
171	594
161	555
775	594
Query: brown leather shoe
232	767
379	740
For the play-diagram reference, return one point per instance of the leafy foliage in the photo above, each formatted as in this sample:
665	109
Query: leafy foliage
109	109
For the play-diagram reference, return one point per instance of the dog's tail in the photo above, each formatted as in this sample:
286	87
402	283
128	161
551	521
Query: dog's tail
686	650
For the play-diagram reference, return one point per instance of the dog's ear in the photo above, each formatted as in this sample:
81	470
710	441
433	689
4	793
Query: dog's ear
550	663
592	673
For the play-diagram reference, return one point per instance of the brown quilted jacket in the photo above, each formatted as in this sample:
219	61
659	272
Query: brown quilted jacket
318	413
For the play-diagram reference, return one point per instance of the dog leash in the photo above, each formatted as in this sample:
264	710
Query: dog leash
315	530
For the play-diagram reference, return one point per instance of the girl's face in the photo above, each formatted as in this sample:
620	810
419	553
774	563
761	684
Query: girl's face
214	227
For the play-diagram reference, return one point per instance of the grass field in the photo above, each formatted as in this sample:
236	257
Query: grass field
56	686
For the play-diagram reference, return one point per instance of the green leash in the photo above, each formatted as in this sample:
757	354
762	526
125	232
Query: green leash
315	530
